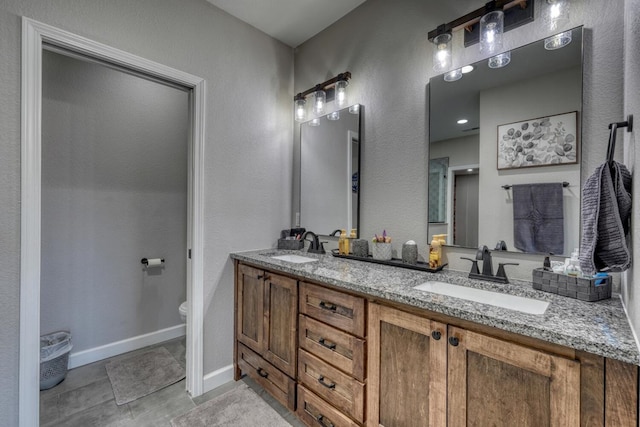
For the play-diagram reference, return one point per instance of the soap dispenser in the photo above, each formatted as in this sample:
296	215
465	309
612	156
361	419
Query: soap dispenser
343	243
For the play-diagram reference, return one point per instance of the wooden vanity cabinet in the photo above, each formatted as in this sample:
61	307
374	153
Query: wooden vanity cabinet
266	324
425	373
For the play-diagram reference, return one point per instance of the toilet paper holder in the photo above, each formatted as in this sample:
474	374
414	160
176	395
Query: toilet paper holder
145	261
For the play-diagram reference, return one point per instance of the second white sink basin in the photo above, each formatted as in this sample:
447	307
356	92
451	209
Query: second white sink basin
511	302
296	259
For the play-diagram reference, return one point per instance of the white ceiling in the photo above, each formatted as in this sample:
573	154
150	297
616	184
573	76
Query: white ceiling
290	21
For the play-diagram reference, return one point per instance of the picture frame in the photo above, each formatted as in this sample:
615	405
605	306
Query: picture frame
543	141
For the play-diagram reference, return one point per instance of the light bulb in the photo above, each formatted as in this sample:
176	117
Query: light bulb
334	115
557	14
453	75
442	52
341	93
319	101
491	29
300	110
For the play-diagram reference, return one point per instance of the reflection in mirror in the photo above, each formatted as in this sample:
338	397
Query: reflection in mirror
329	172
464	118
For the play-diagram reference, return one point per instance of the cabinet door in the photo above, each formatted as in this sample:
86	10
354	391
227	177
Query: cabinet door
280	338
250	307
406	369
497	383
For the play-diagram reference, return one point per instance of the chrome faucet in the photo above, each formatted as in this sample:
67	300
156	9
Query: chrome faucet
315	245
483	254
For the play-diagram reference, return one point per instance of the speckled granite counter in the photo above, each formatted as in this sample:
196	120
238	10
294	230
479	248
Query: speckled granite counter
601	328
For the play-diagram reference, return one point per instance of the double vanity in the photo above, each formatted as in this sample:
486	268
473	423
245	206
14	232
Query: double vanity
346	343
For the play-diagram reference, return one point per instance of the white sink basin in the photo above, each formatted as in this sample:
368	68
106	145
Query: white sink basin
296	259
511	302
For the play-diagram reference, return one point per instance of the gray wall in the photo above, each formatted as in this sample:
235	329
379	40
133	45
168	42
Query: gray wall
630	290
248	152
114	190
384	45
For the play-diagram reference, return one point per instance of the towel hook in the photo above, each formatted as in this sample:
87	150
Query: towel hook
612	136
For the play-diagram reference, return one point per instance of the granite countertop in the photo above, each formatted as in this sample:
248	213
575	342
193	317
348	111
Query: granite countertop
601	328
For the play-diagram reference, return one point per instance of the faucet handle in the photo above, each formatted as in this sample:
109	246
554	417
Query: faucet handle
474	265
501	273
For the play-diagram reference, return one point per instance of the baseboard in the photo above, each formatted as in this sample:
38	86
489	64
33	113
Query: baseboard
217	378
91	355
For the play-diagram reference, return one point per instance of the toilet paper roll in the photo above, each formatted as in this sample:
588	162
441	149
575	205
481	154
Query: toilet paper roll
154	262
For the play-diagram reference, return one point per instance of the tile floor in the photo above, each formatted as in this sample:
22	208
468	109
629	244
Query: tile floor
85	398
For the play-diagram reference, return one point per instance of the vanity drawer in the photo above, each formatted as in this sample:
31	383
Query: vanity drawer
315	412
346	312
335	347
343	391
268	376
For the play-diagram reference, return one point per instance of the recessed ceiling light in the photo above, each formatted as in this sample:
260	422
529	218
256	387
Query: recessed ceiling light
467	69
463	121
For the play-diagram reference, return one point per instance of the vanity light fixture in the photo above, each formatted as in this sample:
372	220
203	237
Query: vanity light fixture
442	49
314	122
453	75
500	60
462	121
319	100
558	41
514	14
335	115
332	89
556	14
300	108
491	30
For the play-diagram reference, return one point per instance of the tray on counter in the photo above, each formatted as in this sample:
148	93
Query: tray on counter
395	262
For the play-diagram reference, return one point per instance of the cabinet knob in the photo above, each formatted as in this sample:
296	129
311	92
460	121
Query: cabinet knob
436	335
454	341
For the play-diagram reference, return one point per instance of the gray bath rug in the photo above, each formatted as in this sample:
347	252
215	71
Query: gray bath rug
143	374
240	407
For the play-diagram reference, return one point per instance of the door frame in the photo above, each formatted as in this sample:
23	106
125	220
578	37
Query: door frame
450	193
34	35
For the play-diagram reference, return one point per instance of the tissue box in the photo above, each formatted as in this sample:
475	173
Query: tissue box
290	244
582	288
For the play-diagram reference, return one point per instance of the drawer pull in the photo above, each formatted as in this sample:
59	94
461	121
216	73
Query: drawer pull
328	306
330	345
263	373
327	385
320	418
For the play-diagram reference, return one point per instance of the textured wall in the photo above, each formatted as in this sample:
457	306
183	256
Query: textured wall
114	190
630	285
248	141
384	44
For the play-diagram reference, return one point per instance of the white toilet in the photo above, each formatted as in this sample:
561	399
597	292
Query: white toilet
183	312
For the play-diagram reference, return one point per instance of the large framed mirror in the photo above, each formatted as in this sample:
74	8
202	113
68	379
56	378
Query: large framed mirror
330	171
470	191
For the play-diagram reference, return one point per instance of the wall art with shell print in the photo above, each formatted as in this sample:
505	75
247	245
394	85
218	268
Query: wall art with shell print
545	141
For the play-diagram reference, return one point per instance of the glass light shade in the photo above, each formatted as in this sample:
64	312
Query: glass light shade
441	52
314	122
556	14
319	101
354	109
341	93
334	116
558	41
491	29
453	75
300	106
500	60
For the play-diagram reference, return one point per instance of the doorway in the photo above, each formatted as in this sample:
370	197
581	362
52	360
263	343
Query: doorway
35	38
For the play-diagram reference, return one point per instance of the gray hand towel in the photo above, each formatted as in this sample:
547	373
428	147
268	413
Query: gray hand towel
606	211
538	218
